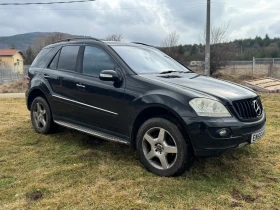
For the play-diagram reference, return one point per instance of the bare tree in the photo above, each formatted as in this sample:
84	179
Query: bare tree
3	63
220	48
170	42
114	37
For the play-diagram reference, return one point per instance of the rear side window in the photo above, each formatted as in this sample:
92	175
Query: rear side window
68	58
53	64
95	61
42	58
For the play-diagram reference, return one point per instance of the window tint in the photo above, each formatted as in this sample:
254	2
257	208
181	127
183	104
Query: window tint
53	64
68	58
42	58
96	60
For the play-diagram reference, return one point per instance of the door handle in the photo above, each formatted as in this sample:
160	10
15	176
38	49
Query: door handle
47	76
80	86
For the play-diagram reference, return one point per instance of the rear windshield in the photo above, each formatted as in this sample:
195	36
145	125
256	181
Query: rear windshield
42	58
148	59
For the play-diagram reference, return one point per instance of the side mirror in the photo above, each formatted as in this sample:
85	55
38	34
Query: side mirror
109	75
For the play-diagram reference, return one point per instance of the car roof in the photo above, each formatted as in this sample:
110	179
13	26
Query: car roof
95	41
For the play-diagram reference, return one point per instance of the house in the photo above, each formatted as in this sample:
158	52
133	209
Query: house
13	59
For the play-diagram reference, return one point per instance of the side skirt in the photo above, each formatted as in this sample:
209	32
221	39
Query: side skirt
91	132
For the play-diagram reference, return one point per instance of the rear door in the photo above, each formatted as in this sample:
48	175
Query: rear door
102	102
61	74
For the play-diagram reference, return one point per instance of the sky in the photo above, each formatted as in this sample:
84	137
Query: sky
148	21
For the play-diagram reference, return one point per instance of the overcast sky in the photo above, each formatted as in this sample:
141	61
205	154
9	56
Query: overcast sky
146	21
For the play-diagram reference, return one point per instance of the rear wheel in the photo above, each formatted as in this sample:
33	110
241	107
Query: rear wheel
162	148
41	116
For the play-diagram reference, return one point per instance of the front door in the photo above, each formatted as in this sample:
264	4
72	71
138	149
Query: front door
102	103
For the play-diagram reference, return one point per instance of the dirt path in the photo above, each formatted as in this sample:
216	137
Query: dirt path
12	95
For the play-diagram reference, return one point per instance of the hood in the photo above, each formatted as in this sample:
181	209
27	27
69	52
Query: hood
223	90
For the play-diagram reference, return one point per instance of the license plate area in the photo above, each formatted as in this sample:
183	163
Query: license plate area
257	136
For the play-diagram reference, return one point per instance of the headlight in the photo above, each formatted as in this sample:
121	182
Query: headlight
208	107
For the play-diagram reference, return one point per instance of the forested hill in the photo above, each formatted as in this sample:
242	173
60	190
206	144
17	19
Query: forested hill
20	41
241	49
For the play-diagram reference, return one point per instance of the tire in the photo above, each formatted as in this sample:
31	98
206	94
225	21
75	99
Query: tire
41	116
162	149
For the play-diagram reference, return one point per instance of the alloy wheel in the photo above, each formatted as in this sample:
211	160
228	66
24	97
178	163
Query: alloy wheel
39	115
159	148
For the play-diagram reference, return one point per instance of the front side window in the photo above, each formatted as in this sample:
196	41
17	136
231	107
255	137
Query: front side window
68	58
148	60
95	61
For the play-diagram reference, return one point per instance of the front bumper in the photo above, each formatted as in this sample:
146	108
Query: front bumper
206	141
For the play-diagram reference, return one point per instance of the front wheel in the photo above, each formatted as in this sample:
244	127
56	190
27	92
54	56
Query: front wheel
41	116
162	148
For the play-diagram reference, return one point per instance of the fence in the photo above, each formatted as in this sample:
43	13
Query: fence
268	67
8	74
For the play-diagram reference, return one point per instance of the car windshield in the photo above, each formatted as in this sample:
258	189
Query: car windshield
148	60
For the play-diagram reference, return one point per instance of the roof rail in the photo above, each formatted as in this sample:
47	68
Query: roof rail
141	43
76	38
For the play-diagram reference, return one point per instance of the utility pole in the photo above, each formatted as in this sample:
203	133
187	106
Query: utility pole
207	45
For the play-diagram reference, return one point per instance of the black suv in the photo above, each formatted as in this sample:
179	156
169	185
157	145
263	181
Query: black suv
135	94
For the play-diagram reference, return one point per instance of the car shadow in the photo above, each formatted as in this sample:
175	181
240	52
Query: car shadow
235	164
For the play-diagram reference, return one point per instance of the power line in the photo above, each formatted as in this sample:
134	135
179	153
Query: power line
103	9
39	3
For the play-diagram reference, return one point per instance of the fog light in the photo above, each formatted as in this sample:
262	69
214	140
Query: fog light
223	132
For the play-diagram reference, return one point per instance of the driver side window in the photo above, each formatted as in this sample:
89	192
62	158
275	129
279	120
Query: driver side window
95	61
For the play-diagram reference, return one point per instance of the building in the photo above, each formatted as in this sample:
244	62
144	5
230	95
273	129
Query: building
13	59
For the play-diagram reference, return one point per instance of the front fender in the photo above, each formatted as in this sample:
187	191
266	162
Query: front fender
177	103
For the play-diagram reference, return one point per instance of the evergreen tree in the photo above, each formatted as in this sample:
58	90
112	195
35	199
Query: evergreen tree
193	50
181	50
266	40
29	56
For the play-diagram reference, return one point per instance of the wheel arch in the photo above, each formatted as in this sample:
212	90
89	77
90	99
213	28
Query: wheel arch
33	94
156	110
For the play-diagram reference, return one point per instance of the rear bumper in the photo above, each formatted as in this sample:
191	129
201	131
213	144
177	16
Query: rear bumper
205	140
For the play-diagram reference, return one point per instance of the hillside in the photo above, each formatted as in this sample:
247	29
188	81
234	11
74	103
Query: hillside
240	49
20	41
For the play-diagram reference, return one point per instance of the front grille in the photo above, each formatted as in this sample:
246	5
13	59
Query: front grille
246	110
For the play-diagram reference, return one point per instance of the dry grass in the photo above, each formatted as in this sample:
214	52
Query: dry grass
237	78
18	86
70	170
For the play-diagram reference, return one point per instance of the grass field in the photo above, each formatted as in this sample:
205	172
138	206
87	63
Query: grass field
70	170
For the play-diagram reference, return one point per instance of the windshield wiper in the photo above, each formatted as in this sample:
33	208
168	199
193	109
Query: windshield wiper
172	71
169	71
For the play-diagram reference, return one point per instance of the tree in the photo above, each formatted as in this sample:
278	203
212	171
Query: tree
169	43
29	56
220	49
266	40
114	37
3	63
193	50
181	50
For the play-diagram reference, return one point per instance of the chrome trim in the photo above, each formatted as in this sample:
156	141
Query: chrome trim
79	85
77	102
91	132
